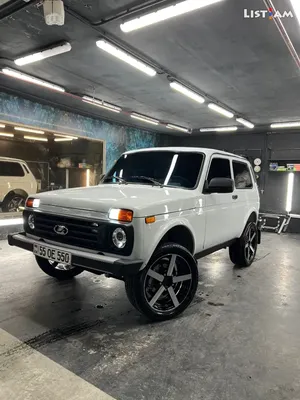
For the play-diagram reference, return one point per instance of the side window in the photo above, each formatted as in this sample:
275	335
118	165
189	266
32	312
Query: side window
219	168
11	169
242	175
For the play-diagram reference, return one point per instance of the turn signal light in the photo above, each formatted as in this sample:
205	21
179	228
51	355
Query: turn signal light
29	203
121	215
150	220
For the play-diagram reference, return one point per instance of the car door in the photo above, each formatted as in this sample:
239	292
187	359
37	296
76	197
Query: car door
244	195
219	216
14	176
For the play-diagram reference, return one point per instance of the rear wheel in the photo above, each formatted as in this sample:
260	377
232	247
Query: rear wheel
167	285
58	270
12	202
243	251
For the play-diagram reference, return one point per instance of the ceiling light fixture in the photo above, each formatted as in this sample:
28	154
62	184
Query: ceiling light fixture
225	129
177	128
40	139
2	126
30	79
221	110
243	121
66	136
102	104
296	7
165	13
285	125
144	118
41	55
63	139
7	134
123	56
20	128
187	92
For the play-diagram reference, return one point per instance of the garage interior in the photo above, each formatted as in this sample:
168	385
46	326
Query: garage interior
217	77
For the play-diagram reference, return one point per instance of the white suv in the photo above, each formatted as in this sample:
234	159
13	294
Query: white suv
16	182
153	215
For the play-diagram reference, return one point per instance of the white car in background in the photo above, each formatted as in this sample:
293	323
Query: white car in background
16	182
154	214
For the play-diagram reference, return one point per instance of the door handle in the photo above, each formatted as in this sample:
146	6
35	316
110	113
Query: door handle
235	197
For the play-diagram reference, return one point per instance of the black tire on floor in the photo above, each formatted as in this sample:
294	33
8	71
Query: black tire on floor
242	252
172	276
60	274
12	202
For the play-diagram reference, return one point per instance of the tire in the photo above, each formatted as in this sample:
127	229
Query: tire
242	252
12	202
153	291
51	268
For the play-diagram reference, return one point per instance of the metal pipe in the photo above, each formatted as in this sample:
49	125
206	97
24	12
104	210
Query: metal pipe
10	8
284	34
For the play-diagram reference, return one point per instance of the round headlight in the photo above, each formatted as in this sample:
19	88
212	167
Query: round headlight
119	238
30	221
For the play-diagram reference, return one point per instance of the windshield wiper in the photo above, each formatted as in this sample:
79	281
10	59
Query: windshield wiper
121	180
147	178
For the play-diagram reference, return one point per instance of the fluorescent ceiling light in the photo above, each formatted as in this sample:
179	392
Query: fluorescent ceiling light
102	104
63	139
187	92
177	128
165	13
286	125
225	129
41	55
296	7
289	193
7	134
19	128
31	79
122	55
36	138
66	136
145	118
2	126
243	121
221	110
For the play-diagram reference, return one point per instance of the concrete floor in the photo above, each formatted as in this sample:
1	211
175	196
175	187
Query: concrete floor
238	340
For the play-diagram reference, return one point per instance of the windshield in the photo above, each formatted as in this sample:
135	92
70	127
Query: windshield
161	168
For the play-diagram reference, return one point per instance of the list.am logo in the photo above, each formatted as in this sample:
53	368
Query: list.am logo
269	13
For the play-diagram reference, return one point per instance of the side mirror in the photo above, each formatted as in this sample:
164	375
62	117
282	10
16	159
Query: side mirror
220	185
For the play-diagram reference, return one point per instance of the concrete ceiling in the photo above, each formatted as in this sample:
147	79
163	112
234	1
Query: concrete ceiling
242	63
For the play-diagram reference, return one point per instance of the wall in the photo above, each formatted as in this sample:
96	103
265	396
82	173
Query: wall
118	138
267	146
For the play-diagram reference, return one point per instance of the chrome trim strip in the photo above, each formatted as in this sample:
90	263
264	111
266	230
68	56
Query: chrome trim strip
70	212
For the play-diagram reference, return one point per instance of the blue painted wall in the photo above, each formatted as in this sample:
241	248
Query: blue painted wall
118	138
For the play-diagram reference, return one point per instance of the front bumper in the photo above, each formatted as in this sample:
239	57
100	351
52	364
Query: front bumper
116	267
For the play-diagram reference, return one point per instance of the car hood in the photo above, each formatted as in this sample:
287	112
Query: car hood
142	199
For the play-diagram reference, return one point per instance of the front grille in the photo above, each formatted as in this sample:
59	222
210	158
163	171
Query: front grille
89	234
82	233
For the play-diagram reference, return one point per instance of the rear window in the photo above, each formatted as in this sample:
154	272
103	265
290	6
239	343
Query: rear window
11	169
242	175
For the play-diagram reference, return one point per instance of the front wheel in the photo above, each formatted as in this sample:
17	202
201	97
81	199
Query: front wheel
58	270
243	251
167	285
12	203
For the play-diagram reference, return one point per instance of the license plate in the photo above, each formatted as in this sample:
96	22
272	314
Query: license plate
52	254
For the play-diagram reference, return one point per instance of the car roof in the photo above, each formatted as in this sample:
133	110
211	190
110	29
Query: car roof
206	151
11	159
